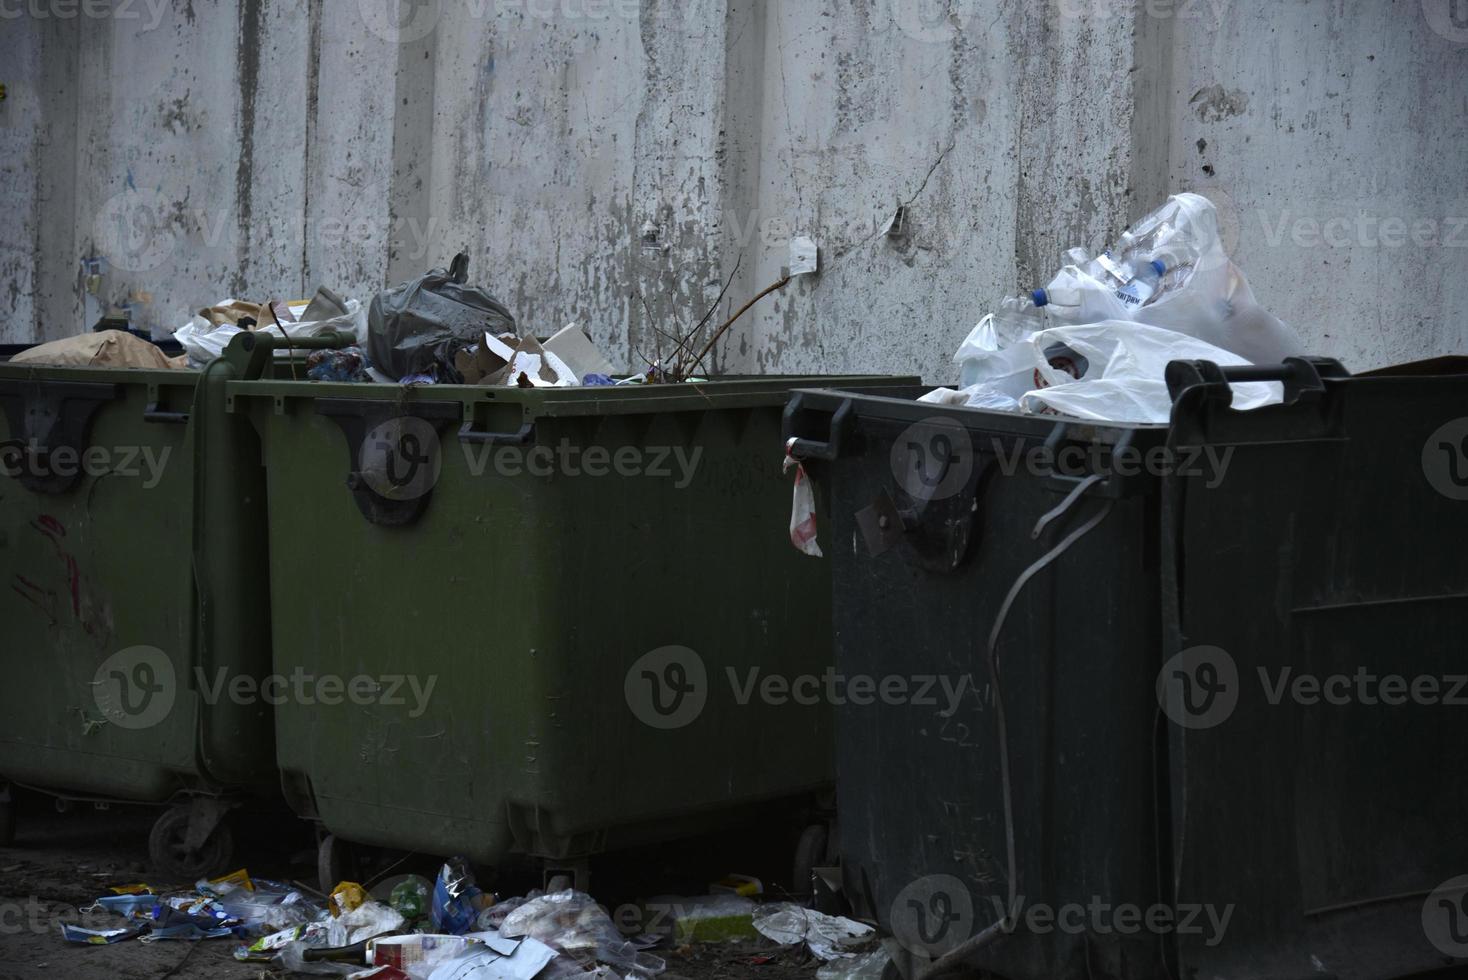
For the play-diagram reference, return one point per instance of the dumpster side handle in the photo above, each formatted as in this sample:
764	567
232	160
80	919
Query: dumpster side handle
522	436
812	449
1302	377
154	413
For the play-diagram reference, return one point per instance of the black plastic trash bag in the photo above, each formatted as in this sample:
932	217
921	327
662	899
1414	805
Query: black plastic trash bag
417	327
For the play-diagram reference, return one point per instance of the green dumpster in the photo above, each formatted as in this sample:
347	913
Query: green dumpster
135	586
537	621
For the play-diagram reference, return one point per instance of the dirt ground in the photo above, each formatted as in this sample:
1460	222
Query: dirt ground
61	862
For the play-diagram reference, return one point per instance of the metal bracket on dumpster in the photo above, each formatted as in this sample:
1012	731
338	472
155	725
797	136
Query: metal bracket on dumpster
157	412
45	417
937	527
1112	484
1303	378
391	484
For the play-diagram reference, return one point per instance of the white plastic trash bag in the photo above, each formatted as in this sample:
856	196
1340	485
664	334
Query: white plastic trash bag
204	341
1123	372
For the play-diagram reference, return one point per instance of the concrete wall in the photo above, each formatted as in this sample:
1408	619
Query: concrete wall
206	148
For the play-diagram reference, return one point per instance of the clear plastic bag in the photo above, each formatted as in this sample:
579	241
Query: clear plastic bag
1202	293
573	923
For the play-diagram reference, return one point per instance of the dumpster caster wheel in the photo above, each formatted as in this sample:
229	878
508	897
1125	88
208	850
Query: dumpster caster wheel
172	853
812	851
335	863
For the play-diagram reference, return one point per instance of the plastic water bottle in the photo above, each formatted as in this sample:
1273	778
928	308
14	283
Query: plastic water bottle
1074	297
1140	289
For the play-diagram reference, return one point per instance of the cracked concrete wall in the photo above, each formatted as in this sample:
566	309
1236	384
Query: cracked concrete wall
1333	135
616	162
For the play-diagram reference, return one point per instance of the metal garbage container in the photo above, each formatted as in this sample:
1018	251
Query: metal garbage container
1133	780
135	591
526	621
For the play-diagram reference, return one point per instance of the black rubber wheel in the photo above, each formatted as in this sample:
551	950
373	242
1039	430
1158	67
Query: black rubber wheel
169	854
810	853
335	863
7	822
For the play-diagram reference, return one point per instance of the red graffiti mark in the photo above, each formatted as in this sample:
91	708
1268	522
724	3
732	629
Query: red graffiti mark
73	582
54	531
37	596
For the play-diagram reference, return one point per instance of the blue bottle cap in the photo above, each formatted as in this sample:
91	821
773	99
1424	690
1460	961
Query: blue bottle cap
1157	264
1039	297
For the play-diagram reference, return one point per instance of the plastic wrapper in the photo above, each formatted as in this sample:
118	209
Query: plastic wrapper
828	936
99	937
310	934
572	922
267	907
457	901
348	364
802	509
412	897
494	916
363	922
130	906
345	897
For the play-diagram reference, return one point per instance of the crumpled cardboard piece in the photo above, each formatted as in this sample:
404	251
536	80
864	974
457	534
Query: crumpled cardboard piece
495	363
582	356
105	348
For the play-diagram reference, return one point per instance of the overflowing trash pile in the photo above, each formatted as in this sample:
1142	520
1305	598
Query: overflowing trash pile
450	929
437	328
1094	342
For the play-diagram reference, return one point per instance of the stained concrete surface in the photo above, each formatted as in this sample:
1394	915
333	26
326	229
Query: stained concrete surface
204	147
